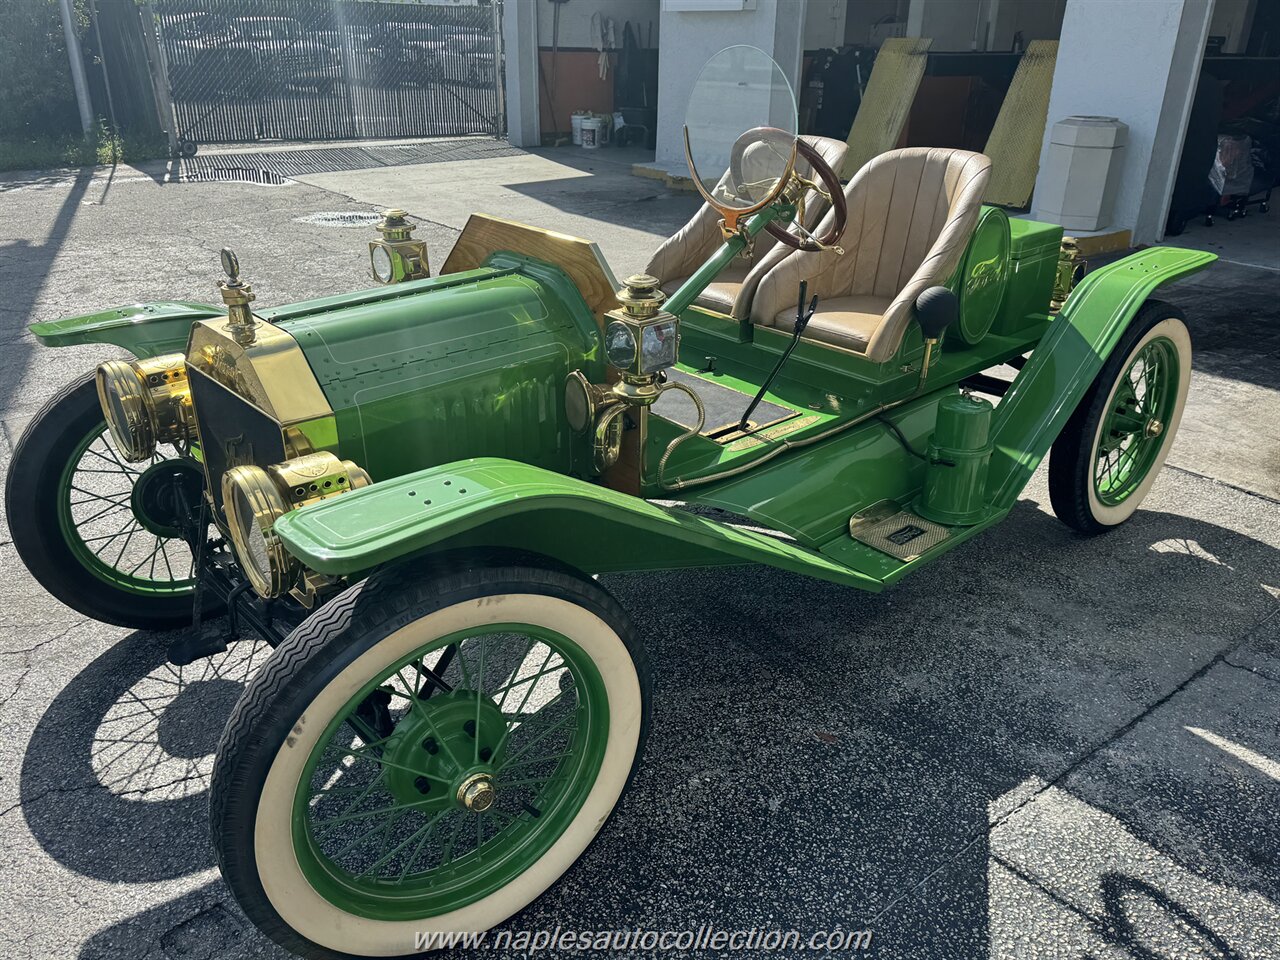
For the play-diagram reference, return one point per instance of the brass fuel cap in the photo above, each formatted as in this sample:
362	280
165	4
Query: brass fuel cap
477	792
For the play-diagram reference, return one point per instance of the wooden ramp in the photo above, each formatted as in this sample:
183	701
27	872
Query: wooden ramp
1014	144
891	90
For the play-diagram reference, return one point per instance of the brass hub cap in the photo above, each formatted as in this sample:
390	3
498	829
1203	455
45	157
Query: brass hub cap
1153	428
477	793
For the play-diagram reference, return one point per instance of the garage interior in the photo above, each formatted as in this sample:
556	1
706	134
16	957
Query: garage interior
988	75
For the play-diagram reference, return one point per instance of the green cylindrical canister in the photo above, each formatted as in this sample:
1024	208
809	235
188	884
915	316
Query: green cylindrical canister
959	452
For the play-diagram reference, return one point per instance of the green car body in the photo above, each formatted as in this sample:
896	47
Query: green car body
449	391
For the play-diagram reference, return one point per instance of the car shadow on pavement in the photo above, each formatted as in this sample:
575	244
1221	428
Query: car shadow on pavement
115	779
924	764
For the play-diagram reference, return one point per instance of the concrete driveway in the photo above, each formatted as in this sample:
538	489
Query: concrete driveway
1042	746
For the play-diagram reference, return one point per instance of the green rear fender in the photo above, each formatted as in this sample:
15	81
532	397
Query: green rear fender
1066	361
144	329
498	503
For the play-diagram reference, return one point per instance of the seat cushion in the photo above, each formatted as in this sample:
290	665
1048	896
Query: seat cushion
846	322
721	293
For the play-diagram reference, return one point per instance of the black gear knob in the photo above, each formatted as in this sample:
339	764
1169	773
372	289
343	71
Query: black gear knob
936	309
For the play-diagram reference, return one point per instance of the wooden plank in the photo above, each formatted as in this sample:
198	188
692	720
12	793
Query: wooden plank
885	106
580	259
1014	144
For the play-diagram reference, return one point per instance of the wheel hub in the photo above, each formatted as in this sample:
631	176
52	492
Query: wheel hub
1153	428
477	792
445	751
164	494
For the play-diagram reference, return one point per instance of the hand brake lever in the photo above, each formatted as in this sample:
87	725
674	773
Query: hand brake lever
803	316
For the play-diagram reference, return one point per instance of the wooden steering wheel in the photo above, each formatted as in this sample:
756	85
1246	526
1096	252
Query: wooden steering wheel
828	178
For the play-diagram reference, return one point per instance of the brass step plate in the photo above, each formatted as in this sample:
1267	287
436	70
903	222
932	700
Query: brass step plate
902	534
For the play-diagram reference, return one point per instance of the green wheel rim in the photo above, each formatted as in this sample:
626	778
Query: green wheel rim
1136	421
380	826
99	526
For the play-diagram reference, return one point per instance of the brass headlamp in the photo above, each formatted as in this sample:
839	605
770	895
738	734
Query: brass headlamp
254	499
146	402
397	256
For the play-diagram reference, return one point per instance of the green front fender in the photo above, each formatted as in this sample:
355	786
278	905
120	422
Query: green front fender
491	502
1066	361
144	329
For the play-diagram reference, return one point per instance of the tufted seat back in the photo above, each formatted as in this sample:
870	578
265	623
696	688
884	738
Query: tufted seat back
911	214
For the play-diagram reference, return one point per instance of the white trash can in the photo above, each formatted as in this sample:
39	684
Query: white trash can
1082	172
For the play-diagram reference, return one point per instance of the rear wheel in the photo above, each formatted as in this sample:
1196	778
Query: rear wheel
1108	455
426	753
83	518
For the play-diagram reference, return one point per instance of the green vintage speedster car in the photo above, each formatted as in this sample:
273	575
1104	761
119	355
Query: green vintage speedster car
408	490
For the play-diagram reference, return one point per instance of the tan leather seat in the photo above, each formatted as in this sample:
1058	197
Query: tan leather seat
682	254
911	213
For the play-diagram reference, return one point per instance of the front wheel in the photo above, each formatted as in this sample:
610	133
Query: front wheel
427	753
85	520
1108	455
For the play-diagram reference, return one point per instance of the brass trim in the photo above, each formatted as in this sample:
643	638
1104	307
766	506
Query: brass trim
477	792
732	215
270	494
127	416
271	372
263	499
155	399
903	535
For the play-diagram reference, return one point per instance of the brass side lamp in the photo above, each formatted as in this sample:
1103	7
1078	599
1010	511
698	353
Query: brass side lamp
397	257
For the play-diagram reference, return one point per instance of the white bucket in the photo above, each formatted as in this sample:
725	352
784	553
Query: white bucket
576	121
592	132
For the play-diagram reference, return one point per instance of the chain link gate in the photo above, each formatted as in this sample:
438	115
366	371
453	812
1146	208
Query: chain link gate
240	71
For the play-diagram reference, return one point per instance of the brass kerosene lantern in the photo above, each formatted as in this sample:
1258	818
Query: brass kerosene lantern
640	340
397	257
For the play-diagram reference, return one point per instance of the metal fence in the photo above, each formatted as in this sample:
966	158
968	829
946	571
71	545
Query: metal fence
248	70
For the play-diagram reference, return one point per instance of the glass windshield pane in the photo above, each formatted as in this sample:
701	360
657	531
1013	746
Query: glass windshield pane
741	122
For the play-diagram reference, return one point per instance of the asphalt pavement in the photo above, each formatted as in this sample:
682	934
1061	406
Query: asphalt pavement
1043	745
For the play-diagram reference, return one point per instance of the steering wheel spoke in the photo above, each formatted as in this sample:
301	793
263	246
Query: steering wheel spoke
826	185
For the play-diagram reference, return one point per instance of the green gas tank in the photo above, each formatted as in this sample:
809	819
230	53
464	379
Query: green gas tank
959	453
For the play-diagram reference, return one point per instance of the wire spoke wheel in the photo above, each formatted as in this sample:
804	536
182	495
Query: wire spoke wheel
428	752
98	516
1111	449
98	532
1133	430
471	759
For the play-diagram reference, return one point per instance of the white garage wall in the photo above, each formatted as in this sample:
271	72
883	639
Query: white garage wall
1142	69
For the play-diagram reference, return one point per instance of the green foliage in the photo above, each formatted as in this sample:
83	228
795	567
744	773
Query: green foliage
43	153
36	95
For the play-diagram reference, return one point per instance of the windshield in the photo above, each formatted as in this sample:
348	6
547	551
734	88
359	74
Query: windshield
740	127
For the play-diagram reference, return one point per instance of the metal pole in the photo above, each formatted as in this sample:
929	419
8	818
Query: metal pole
102	58
77	68
499	72
159	71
